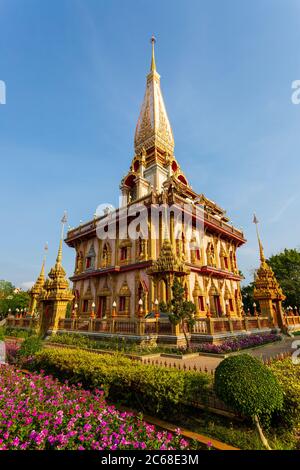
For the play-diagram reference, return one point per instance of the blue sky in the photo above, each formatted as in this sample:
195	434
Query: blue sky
75	75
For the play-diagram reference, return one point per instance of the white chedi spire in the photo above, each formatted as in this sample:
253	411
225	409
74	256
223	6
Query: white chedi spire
153	127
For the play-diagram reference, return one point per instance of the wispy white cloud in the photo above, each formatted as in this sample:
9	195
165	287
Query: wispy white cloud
26	285
279	213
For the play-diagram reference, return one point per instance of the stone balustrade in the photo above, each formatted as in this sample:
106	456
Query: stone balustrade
156	326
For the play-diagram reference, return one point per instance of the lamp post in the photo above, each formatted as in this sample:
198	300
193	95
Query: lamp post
17	313
254	309
114	308
93	311
156	312
243	311
74	311
140	309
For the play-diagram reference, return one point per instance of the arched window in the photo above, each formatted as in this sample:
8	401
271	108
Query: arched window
90	258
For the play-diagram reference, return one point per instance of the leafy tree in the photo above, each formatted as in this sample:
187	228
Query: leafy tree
249	387
181	311
10	298
69	310
247	295
6	288
286	266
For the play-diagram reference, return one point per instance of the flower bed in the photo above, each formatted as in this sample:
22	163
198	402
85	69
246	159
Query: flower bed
237	344
37	412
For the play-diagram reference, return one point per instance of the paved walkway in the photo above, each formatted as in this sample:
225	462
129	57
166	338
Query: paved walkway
210	363
271	350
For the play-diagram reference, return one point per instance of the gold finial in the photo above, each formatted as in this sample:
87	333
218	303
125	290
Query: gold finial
153	65
261	250
63	222
42	273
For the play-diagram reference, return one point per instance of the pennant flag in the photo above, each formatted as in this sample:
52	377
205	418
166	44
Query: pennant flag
64	219
255	221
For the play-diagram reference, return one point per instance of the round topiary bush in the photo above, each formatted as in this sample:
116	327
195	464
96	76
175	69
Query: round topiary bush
249	387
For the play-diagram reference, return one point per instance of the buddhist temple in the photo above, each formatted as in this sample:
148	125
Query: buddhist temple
127	258
127	272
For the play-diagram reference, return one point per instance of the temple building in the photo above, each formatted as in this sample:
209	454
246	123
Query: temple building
133	274
128	258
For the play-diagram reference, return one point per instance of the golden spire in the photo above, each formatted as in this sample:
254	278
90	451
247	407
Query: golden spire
57	280
261	250
153	128
42	273
39	283
59	254
153	65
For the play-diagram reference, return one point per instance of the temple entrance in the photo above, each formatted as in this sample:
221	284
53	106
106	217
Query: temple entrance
47	318
217	305
102	306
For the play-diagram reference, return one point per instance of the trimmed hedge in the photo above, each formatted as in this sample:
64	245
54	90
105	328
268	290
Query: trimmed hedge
288	375
152	388
17	332
248	386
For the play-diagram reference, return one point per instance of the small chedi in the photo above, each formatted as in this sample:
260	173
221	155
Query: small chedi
122	275
267	291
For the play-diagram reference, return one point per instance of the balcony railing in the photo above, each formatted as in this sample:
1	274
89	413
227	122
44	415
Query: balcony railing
156	326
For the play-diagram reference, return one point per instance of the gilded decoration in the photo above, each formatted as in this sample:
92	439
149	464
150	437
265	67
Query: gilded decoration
153	128
168	262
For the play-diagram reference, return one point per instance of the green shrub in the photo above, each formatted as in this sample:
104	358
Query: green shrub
18	332
30	346
111	344
154	389
288	375
250	388
70	339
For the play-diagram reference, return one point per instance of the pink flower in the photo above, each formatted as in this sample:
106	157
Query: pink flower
16	442
209	444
